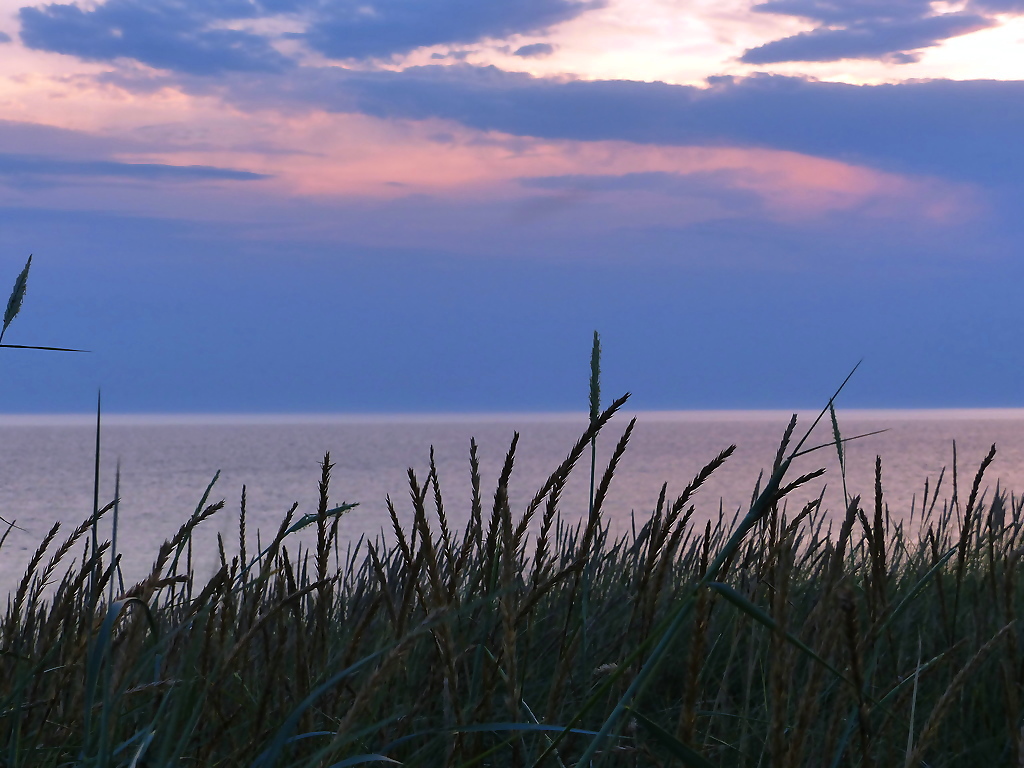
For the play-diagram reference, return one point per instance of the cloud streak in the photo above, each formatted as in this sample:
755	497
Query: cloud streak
897	40
380	28
534	50
21	166
890	30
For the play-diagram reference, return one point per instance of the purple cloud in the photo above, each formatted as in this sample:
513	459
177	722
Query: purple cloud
536	50
891	30
190	36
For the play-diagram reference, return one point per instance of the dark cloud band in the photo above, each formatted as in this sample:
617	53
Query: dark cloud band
24	166
193	37
893	30
966	130
535	50
894	40
157	34
347	29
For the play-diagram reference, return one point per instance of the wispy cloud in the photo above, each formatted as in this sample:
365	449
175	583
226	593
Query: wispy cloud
347	29
892	30
22	166
534	50
895	41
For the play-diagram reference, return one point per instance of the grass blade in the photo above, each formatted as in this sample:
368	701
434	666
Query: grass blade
688	756
17	297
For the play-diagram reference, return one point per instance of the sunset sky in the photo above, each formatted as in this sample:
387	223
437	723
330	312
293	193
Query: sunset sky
429	205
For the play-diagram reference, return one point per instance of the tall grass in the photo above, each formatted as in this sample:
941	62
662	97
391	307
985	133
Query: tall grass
771	637
783	640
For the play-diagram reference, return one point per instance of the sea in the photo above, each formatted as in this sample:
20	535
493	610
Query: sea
165	463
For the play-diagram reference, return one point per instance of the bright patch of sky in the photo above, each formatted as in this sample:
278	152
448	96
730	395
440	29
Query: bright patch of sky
678	41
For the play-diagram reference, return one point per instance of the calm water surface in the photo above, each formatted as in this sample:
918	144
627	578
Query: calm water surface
46	466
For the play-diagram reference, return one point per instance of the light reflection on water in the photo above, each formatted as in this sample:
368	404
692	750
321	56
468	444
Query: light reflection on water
167	462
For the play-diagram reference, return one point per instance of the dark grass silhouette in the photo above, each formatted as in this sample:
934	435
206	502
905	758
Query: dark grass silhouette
770	637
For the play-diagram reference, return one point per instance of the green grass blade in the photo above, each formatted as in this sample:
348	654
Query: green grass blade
309	519
595	378
360	759
97	653
763	618
840	452
595	408
824	410
687	755
917	589
760	507
269	756
511	726
96	476
49	349
845	440
17	297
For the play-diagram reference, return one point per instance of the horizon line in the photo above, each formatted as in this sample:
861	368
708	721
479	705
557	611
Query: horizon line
197	418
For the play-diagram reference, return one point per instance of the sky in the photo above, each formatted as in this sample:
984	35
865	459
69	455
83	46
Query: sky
362	206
